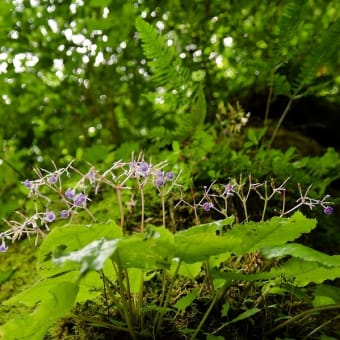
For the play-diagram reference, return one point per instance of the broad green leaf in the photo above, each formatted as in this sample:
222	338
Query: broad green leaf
34	326
326	295
92	256
135	275
189	270
245	315
303	252
230	276
151	250
225	309
200	242
68	238
275	232
187	300
304	272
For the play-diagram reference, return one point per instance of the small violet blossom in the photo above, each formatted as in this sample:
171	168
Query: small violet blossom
70	193
159	181
328	210
144	169
53	179
207	206
79	200
64	214
3	247
27	183
169	176
50	216
228	189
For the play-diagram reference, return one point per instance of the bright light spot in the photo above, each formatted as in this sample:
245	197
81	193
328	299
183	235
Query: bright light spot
160	25
143	131
60	74
6	99
191	47
78	39
3	67
34	3
182	55
61	48
219	61
122	45
91	131
31	60
68	34
85	59
159	100
144	14
43	30
214	19
81	50
50	9
106	12
228	41
73	8
18	61
99	59
153	14
105	38
197	53
213	39
169	42
14	34
53	25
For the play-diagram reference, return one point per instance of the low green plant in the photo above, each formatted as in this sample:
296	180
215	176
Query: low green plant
141	274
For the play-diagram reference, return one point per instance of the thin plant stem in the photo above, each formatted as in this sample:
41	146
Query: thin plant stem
278	125
163	208
269	99
140	299
125	304
99	323
266	199
143	210
217	296
301	315
167	298
121	209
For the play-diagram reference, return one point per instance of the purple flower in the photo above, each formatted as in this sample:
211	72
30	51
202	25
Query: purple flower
64	214
328	210
169	176
27	183
79	200
50	216
159	181
207	206
53	179
229	189
143	169
3	247
91	176
70	193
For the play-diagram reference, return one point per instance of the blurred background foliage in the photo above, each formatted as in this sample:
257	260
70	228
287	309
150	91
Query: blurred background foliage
87	80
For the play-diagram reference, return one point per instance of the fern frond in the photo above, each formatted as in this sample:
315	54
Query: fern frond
288	25
164	62
320	55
